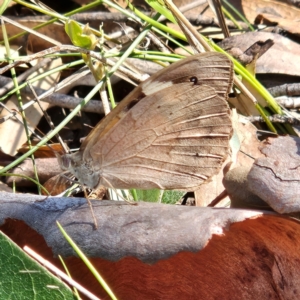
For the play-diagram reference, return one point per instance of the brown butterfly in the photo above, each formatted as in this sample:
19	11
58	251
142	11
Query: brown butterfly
171	132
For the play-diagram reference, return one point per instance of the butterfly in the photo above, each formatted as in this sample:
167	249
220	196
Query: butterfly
171	132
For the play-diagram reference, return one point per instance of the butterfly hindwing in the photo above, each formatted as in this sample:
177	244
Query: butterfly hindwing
181	149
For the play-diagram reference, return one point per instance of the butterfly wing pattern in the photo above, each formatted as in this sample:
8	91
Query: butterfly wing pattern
172	132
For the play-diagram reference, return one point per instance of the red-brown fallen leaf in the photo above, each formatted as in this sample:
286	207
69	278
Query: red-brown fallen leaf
43	151
256	258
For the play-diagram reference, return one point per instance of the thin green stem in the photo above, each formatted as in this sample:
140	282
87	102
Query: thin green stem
50	135
87	262
20	102
41	76
78	107
233	20
27	178
239	15
56	16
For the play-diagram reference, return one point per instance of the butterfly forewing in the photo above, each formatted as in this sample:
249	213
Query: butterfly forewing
172	132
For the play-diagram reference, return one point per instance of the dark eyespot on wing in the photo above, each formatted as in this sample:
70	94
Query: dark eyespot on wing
194	79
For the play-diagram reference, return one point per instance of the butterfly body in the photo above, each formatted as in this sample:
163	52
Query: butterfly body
171	132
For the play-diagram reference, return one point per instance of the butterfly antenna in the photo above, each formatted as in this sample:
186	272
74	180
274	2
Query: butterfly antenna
91	207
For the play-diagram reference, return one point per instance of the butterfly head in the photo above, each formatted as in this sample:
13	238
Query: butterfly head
83	171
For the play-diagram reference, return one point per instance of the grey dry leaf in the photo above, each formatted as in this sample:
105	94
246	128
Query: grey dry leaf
275	178
123	229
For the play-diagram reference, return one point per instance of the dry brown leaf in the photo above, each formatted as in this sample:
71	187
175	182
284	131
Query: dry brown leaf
46	167
291	26
236	184
12	133
32	42
252	8
209	191
5	188
57	184
287	50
